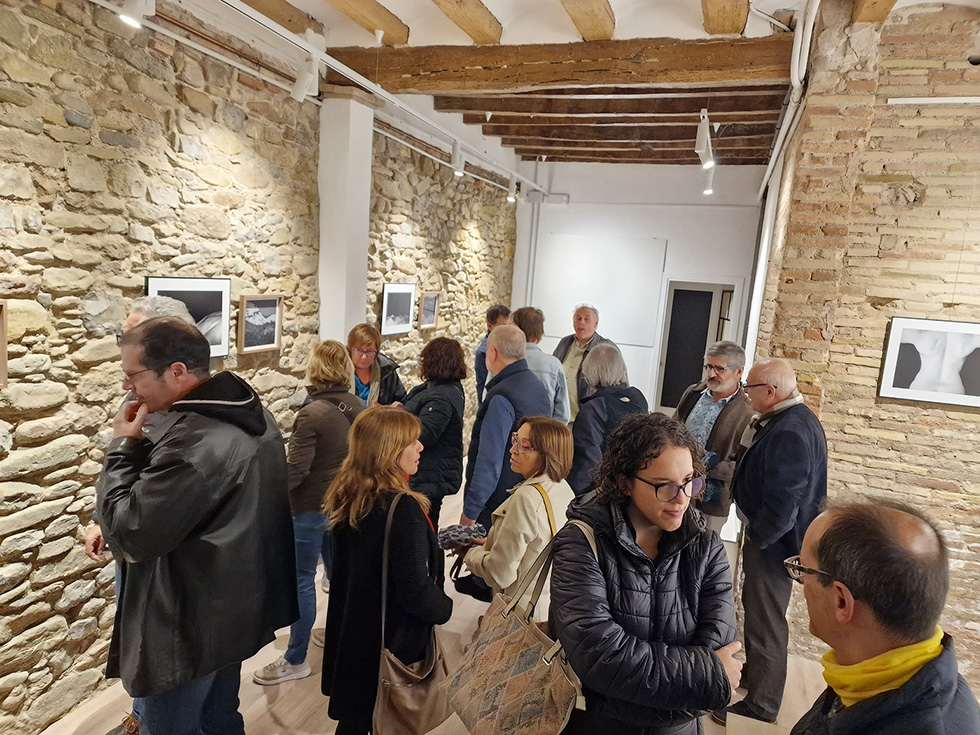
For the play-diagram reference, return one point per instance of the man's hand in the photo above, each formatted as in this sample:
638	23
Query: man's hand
464	521
733	667
95	543
129	420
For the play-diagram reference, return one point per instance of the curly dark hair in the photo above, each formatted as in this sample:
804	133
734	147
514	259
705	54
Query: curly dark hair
641	438
442	359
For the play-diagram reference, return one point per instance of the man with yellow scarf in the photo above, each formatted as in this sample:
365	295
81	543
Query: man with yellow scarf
875	580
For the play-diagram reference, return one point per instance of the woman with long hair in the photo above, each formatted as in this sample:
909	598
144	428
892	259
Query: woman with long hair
376	378
647	622
384	454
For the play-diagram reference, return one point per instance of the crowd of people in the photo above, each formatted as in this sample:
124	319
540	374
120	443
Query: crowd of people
218	525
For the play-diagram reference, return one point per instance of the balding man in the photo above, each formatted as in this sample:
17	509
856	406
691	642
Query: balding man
512	393
779	486
875	578
572	350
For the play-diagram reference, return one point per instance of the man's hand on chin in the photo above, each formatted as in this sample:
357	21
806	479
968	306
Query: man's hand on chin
129	420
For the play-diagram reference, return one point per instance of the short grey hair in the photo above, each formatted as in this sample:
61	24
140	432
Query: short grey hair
587	306
604	367
508	340
154	306
734	354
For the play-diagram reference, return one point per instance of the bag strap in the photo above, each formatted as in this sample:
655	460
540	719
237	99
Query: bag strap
384	566
547	507
586	529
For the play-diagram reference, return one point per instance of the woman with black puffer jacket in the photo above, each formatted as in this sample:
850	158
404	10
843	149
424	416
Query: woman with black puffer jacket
649	625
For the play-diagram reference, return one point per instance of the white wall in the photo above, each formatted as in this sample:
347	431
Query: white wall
648	225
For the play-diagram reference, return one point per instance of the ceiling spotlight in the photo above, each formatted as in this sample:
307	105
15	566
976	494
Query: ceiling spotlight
512	190
306	81
702	145
379	35
709	188
458	162
133	11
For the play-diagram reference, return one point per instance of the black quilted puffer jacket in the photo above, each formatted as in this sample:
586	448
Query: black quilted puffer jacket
641	633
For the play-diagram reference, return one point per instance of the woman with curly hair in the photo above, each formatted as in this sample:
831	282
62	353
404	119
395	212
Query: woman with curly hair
384	454
648	622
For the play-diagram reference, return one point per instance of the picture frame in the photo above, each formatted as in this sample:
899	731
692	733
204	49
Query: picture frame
3	343
207	299
429	309
259	323
932	361
396	308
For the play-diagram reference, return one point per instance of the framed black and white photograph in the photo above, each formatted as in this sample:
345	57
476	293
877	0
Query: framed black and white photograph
932	360
396	308
429	310
207	299
259	322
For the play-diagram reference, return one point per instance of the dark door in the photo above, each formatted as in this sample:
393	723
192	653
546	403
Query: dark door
687	335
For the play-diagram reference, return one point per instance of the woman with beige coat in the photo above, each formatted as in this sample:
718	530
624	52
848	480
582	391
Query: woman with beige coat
541	451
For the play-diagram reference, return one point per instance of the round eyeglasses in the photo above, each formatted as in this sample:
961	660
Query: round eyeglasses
519	446
667	491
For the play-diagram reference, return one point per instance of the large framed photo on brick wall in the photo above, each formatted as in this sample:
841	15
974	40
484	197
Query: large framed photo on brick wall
932	360
207	299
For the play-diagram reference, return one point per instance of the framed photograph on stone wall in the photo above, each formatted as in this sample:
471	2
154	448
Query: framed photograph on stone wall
207	299
259	322
429	310
396	308
933	361
3	343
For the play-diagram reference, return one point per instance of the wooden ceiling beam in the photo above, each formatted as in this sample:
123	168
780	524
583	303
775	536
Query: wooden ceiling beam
473	18
289	17
647	150
660	90
725	118
724	16
594	19
616	106
440	69
871	11
628	157
745	141
372	16
618	132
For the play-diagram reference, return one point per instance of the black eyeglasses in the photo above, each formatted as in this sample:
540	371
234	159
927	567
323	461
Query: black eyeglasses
797	570
119	334
667	491
756	385
715	368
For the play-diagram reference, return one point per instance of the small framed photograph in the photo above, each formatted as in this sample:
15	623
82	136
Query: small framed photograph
933	361
429	310
207	299
396	308
259	322
3	343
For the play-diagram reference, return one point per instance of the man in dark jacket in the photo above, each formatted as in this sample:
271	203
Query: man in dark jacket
513	393
496	315
200	520
716	412
780	484
875	578
572	350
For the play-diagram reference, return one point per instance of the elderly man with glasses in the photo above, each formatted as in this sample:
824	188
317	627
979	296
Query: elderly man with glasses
716	412
779	486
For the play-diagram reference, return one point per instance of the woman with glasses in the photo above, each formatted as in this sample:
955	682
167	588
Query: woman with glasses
376	379
541	451
647	622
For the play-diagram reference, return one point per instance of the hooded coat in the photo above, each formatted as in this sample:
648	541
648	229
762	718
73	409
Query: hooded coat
199	522
439	405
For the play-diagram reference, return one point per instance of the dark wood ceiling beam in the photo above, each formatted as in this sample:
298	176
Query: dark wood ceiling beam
609	106
653	153
724	16
644	157
725	118
617	132
594	19
473	18
372	16
435	69
746	141
660	90
286	15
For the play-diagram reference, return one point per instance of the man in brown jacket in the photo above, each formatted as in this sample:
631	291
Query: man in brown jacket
716	412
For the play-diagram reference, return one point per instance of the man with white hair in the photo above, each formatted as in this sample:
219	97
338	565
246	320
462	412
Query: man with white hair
512	393
779	486
573	349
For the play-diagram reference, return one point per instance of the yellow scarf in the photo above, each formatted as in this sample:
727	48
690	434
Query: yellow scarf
882	673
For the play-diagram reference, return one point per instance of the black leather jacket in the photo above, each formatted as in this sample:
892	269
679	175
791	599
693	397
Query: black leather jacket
639	632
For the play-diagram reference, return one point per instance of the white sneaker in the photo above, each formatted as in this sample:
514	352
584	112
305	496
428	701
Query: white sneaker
280	671
317	636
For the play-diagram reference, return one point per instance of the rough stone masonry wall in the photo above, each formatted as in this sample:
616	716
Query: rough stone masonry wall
884	220
455	235
121	156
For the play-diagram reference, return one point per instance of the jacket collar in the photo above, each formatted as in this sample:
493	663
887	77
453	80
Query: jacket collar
514	367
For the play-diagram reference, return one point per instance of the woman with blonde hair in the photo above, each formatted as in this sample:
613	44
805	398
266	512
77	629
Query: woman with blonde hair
541	451
376	378
384	454
317	448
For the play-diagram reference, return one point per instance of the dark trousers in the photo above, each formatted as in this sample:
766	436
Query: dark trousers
765	597
208	705
588	723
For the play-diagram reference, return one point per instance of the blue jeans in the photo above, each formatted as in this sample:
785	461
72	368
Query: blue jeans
208	706
309	532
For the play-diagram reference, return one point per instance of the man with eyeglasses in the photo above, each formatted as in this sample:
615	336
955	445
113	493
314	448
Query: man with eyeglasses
716	412
875	579
779	486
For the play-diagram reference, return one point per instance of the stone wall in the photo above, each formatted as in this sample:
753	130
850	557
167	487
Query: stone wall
455	235
883	220
121	156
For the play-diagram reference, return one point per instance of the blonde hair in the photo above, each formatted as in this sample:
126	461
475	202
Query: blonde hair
363	334
330	364
377	438
553	441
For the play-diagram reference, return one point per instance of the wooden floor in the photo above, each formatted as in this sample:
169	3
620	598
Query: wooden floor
298	708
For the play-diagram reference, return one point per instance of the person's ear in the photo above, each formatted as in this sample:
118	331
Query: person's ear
178	369
738	373
844	603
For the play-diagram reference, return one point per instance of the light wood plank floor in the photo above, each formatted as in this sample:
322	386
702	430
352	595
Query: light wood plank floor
298	707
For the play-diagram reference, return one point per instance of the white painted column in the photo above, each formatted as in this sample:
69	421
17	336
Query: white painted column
344	184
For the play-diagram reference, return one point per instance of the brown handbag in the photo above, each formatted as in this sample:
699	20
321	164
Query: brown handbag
409	701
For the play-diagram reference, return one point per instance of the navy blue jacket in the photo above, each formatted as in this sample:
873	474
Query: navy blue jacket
480	367
936	701
780	482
